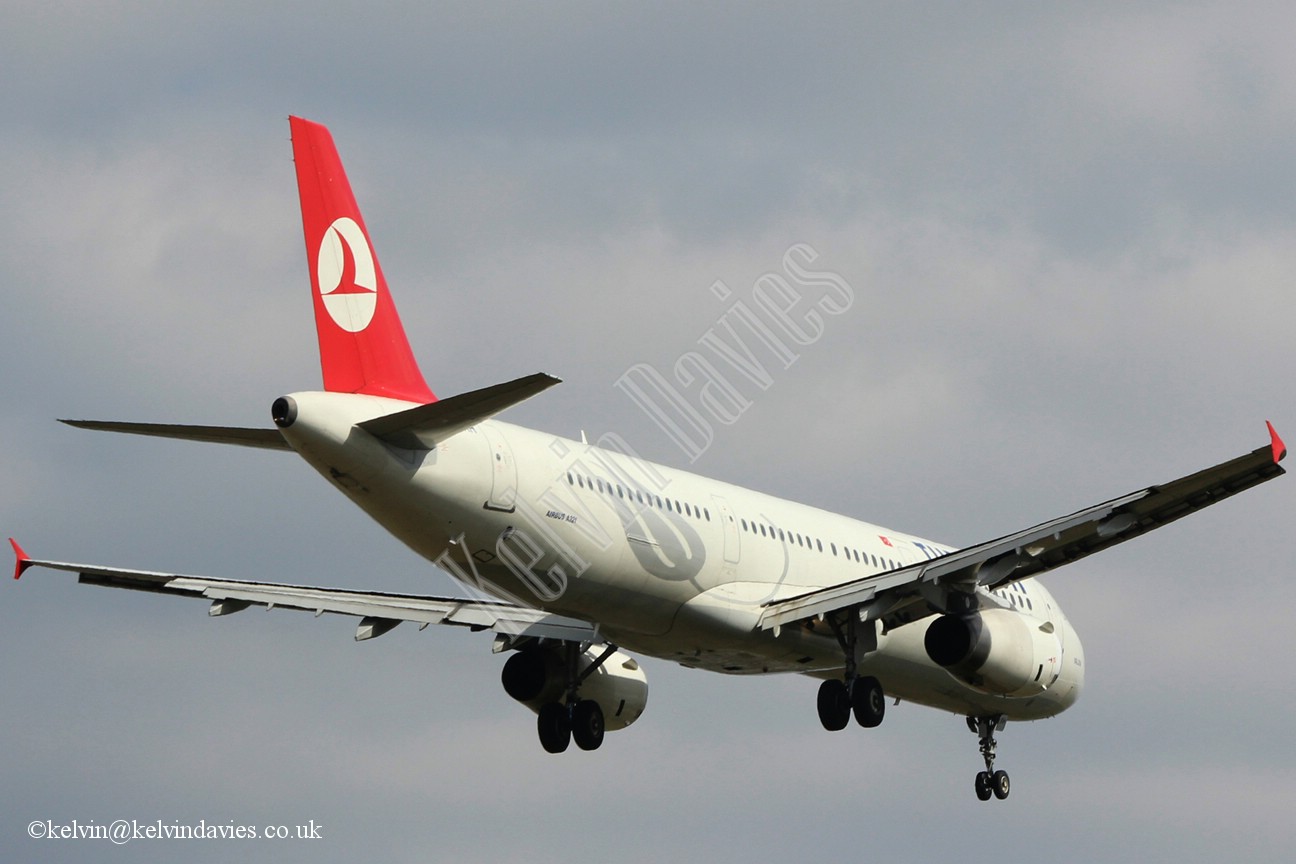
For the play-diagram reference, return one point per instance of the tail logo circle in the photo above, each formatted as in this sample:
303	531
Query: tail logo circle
348	283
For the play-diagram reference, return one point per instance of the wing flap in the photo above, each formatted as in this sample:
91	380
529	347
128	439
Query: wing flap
229	595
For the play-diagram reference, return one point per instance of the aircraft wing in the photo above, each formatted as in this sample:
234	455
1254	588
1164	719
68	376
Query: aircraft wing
909	593
379	612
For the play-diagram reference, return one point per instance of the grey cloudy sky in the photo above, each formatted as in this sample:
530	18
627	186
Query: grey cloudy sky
1071	237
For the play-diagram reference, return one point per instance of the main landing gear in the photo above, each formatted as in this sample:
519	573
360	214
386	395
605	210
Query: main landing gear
573	718
989	782
861	696
838	700
559	724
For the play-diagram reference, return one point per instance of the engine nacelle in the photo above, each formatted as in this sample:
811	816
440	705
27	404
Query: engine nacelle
997	651
536	676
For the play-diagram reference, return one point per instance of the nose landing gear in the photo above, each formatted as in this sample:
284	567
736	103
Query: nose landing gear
989	782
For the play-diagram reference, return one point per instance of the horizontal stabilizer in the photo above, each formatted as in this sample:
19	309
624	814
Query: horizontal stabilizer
424	427
268	439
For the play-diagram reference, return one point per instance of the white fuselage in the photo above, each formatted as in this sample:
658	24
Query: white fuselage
668	563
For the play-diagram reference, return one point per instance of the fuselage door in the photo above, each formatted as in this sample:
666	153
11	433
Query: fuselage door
732	537
503	494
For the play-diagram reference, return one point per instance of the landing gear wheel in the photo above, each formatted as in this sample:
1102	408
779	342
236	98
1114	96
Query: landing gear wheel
587	725
1000	785
554	727
989	782
834	705
868	702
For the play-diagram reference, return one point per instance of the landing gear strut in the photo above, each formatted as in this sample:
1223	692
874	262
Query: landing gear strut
989	782
573	719
861	696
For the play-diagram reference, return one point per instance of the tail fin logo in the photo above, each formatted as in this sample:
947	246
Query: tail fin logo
348	283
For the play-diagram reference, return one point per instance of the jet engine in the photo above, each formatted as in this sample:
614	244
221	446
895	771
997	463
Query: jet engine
537	676
997	651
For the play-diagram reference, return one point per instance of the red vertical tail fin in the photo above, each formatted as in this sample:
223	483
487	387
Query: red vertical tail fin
363	348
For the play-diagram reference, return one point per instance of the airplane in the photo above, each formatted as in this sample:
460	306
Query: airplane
578	556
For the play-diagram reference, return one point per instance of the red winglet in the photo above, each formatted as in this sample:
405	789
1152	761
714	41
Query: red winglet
23	561
1279	448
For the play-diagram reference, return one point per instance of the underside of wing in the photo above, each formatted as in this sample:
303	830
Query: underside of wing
950	583
379	612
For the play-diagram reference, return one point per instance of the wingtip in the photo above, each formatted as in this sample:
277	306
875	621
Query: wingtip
1276	443
22	561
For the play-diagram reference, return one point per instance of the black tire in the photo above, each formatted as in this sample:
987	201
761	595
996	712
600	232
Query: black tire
868	702
983	790
554	727
587	725
834	705
1000	784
